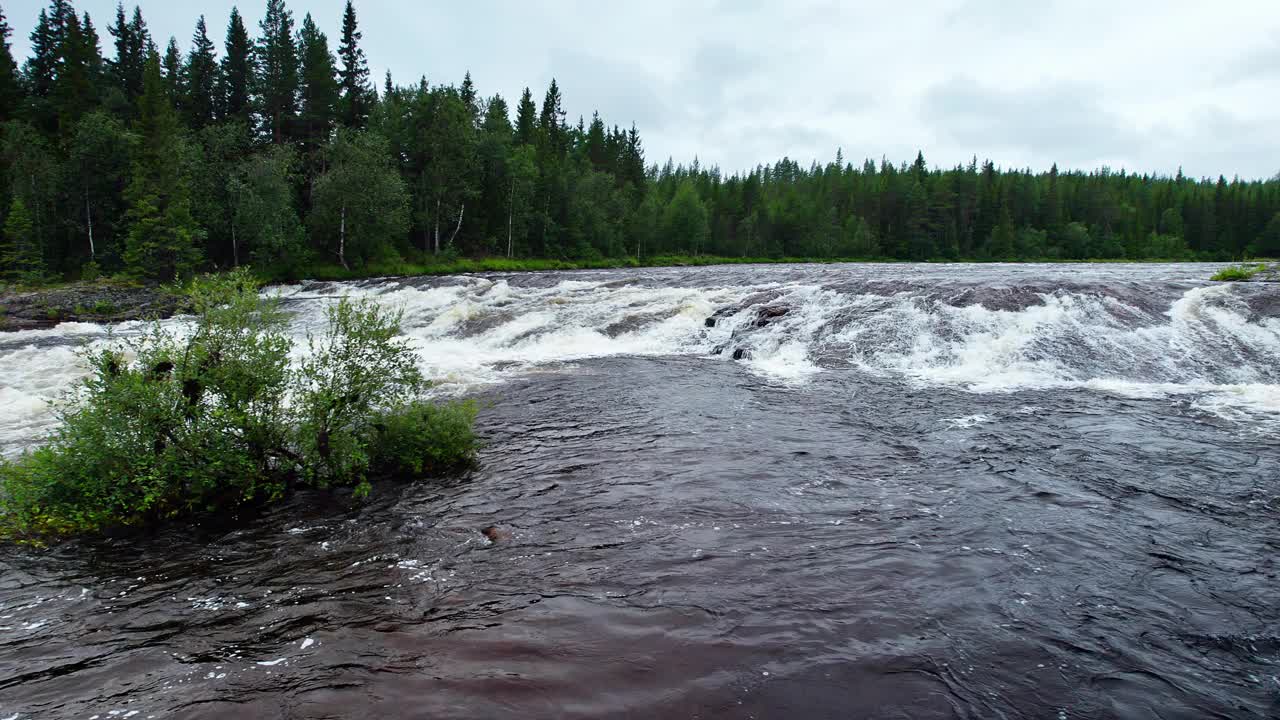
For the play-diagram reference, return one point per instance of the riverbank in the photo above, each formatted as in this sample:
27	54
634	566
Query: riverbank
103	301
405	268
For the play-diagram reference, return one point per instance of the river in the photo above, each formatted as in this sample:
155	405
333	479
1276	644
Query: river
921	491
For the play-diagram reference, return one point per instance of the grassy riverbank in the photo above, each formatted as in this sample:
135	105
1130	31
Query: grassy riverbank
454	266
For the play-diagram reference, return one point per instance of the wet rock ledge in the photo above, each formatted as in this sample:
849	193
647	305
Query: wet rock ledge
99	302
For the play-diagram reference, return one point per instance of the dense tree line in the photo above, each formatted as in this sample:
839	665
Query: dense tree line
278	151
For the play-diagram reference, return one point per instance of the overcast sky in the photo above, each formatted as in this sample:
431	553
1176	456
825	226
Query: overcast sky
1147	85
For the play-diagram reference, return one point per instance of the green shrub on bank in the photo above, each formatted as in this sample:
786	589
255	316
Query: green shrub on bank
175	422
1237	273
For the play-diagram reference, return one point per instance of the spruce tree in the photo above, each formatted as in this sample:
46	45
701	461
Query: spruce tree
41	70
164	240
132	44
526	119
633	170
21	257
596	150
357	94
237	72
319	87
10	84
172	72
202	80
79	71
468	94
277	74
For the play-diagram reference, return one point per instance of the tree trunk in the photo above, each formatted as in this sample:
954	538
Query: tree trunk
235	247
342	238
511	208
437	226
88	216
452	237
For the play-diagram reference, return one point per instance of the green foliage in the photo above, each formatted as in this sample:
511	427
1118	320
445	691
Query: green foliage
686	219
155	173
360	204
262	214
164	240
20	257
356	365
423	438
1238	273
172	423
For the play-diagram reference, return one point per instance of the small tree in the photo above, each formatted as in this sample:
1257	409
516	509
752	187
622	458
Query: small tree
164	240
360	205
263	216
21	256
686	219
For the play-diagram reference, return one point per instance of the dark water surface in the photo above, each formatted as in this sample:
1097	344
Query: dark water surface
927	493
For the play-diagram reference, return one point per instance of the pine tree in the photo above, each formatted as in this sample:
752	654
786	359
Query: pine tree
172	73
21	257
277	77
357	95
132	44
596	150
551	119
319	87
10	85
41	69
202	80
468	94
633	170
237	72
526	119
79	71
164	240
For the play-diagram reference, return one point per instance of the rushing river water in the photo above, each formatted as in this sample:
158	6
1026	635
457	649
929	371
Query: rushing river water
919	492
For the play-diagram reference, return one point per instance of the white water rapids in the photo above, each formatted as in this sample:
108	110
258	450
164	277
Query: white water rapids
1208	344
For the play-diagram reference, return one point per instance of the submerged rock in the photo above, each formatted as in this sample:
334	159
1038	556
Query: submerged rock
769	313
711	322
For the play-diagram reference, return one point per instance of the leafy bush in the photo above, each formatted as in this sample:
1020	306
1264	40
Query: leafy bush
1238	272
424	439
175	422
90	271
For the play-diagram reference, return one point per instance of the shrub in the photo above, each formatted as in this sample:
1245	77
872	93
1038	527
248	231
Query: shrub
172	423
1238	272
424	439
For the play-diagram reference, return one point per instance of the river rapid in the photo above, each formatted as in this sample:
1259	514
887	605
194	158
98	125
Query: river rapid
919	491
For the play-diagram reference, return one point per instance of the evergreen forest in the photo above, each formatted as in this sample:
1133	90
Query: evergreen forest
263	142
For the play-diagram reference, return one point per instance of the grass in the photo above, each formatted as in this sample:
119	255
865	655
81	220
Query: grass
1237	273
454	266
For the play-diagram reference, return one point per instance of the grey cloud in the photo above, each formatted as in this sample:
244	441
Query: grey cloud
1059	120
1143	84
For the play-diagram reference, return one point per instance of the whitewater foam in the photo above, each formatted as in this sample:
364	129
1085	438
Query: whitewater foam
1204	342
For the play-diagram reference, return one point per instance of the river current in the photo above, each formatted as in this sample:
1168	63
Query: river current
839	491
